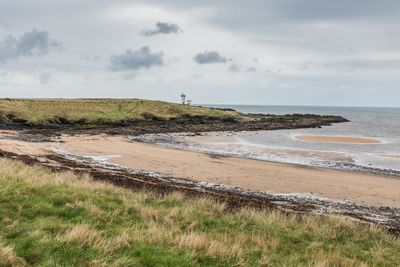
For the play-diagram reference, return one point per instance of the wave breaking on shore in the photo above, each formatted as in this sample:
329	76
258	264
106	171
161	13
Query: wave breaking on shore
229	144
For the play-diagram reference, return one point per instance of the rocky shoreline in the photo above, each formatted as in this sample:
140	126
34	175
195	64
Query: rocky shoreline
187	123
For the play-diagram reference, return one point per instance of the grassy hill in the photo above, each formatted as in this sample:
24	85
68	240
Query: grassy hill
63	219
42	111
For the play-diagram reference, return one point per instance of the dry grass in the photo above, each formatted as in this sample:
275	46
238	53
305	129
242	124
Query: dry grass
8	257
211	247
38	176
118	242
47	110
84	235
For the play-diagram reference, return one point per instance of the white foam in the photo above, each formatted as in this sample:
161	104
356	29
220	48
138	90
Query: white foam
238	145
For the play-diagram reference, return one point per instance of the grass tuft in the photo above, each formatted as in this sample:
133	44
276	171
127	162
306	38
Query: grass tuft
8	257
83	234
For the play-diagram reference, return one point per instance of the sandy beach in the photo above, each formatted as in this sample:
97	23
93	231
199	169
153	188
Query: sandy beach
254	175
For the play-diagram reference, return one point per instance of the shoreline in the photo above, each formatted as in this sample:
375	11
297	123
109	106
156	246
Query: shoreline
100	161
184	123
234	197
333	160
248	174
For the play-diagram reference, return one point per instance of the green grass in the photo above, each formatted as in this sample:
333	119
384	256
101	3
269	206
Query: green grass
107	110
63	219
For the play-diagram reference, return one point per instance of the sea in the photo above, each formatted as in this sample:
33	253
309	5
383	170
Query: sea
380	124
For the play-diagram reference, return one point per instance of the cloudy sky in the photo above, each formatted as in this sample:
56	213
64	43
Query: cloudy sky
281	52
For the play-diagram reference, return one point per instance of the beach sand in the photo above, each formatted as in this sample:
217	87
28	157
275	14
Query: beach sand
254	175
336	139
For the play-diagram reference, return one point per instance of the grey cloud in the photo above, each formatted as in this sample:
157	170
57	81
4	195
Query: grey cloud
34	43
134	60
209	57
162	28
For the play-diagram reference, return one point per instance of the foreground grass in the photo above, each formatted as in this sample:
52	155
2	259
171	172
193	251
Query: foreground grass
106	110
50	219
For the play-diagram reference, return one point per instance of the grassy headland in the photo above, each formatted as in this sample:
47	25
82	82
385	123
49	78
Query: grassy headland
60	218
43	111
136	116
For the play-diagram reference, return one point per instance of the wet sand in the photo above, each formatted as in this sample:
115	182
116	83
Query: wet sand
336	139
254	175
279	152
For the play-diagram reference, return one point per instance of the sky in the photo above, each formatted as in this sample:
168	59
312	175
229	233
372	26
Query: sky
266	52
